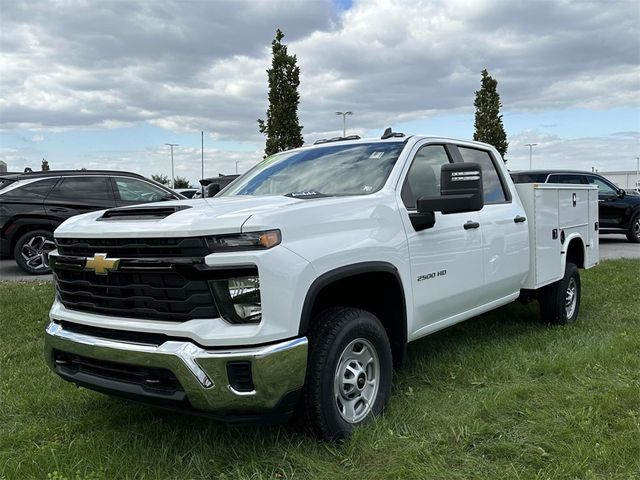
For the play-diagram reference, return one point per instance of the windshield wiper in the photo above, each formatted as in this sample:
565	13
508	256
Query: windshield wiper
305	194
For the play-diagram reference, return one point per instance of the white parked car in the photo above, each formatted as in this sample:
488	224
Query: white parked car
306	279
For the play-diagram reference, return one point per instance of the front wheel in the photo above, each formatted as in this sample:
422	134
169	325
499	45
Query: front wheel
349	371
560	301
633	234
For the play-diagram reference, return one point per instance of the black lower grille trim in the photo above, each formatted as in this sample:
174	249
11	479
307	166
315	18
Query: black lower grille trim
153	381
126	336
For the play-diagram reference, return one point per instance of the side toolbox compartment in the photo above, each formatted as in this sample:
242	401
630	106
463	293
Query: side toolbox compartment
545	250
558	213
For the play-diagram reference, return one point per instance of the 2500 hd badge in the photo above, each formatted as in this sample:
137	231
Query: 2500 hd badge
431	275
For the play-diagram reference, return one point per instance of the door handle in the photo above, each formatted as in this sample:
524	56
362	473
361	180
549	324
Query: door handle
469	225
58	209
519	219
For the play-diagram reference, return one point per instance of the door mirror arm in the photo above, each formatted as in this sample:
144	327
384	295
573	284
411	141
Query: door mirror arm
422	220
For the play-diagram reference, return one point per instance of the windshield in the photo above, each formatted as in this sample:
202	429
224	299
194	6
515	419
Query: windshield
329	170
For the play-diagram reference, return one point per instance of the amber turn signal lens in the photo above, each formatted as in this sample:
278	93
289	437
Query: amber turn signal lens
270	239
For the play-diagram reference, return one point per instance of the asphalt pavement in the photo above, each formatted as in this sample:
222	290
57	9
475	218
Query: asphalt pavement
611	247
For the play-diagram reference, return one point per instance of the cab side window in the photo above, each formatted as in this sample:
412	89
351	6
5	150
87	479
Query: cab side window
494	191
423	177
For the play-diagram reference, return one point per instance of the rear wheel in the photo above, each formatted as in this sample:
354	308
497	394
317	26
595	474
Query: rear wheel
349	371
560	301
31	250
633	235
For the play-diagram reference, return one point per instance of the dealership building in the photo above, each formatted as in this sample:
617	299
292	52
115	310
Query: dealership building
629	179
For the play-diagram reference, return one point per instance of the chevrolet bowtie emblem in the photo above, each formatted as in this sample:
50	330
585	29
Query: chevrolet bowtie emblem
101	264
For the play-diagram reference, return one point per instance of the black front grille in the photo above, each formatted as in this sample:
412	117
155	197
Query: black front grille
158	381
165	295
134	247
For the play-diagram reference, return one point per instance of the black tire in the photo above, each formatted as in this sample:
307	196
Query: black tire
556	306
336	336
30	249
633	234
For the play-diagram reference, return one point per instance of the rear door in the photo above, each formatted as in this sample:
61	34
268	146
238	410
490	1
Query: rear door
505	234
446	260
80	194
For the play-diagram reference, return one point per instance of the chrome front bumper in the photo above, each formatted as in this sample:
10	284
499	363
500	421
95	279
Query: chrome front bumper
278	369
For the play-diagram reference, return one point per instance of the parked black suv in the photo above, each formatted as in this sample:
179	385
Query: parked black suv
33	204
619	211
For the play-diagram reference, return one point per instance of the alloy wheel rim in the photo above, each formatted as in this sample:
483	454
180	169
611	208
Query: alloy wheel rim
571	298
34	251
636	228
357	380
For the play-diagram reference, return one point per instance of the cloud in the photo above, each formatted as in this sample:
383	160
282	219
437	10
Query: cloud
201	65
187	161
617	151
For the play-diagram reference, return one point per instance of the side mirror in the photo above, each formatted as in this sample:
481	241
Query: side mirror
211	190
460	190
621	193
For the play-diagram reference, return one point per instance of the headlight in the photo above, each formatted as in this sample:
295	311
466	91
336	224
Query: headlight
238	299
244	241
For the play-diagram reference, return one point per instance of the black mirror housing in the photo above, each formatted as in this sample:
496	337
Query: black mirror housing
460	190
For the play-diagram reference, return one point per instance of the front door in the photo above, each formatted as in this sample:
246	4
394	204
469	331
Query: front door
446	260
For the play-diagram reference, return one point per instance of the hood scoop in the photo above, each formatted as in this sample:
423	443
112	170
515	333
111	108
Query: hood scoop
142	213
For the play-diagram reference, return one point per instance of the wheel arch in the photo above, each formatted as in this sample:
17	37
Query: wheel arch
20	226
372	286
575	251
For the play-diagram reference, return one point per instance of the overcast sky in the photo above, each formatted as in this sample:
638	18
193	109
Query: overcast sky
105	84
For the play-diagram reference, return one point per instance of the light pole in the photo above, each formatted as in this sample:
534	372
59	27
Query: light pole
173	177
344	121
530	145
202	152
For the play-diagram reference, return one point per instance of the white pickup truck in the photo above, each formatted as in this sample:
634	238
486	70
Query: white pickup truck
302	282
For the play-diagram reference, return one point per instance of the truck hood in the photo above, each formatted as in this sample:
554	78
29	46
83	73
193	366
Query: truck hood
211	216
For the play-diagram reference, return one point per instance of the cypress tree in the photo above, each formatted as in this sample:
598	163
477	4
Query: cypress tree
488	122
282	127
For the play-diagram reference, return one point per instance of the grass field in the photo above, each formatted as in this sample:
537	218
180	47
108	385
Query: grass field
500	396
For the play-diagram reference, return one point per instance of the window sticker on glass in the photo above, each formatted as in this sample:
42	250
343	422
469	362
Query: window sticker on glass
376	155
367	188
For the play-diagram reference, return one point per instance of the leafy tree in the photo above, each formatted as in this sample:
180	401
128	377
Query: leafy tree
163	179
181	182
488	122
45	166
282	127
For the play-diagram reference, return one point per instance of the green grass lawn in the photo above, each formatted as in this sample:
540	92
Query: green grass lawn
500	396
